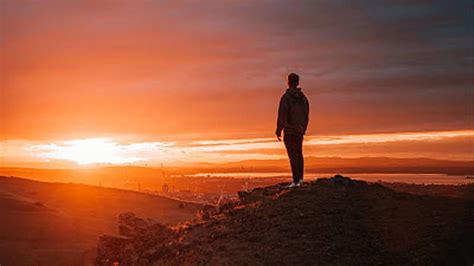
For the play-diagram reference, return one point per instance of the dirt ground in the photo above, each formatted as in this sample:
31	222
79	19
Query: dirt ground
336	221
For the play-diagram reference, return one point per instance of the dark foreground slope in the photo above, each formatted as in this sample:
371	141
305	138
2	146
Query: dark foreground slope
336	221
59	223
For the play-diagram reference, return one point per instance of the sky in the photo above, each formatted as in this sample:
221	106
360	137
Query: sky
162	77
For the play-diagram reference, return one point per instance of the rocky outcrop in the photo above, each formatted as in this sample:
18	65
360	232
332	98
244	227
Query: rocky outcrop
139	242
329	221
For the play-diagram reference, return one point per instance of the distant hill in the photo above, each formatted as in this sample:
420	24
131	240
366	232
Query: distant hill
353	165
59	223
114	176
131	177
332	221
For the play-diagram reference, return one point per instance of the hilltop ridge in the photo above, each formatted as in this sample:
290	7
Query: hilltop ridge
328	221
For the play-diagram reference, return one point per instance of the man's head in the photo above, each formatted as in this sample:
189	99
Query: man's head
293	80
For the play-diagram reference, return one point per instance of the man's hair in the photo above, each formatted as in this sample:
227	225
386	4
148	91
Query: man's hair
293	79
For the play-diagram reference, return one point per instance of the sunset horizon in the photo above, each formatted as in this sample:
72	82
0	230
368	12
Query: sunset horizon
98	152
151	82
249	132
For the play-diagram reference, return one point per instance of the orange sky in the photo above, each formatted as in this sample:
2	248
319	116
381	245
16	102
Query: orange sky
168	72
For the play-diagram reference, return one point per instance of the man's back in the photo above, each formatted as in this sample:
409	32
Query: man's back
293	113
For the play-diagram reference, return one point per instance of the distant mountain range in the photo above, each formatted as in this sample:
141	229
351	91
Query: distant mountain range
131	177
351	165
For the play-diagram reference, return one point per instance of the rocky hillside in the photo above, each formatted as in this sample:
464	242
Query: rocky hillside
336	221
45	223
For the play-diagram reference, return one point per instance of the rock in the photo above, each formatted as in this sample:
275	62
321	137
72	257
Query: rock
139	242
130	225
340	180
206	212
114	249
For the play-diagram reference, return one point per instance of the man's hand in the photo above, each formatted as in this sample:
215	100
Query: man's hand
278	134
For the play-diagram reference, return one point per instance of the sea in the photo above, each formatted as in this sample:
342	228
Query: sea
411	178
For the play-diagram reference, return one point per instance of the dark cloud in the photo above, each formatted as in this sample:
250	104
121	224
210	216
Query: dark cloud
367	66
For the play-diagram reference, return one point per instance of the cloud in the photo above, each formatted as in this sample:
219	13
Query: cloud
166	68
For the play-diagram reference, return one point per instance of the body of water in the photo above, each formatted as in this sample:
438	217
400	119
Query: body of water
441	179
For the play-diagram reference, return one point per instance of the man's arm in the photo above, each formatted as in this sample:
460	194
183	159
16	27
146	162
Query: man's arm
282	117
307	113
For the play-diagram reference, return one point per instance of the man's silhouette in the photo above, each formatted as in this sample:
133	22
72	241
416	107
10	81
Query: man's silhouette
293	116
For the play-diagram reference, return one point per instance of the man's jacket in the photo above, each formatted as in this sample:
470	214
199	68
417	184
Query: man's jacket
293	113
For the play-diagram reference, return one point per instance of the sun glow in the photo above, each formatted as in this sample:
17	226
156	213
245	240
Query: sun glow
96	150
115	151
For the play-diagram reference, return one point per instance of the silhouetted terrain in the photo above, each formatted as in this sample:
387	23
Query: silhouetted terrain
336	221
59	223
354	165
152	178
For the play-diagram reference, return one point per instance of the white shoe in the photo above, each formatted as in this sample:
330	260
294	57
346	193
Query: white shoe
300	182
292	185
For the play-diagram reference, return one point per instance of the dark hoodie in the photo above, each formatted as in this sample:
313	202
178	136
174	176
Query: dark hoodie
293	113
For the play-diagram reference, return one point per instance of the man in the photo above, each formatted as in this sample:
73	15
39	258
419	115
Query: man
293	116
